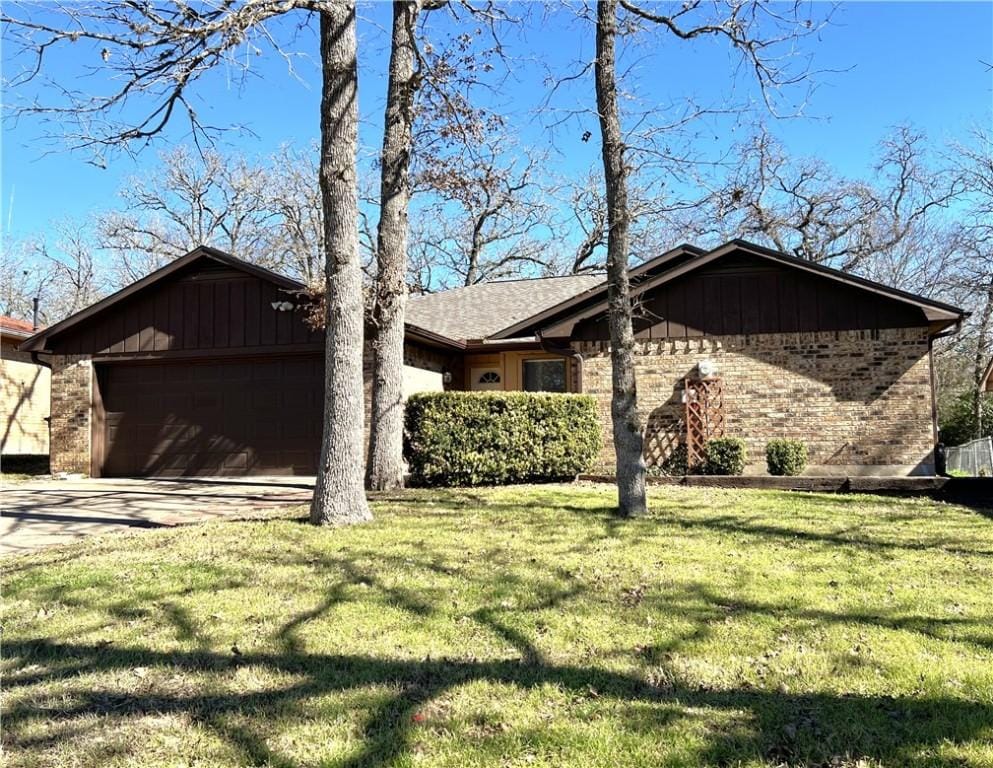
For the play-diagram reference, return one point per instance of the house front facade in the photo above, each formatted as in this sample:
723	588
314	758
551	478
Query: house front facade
207	366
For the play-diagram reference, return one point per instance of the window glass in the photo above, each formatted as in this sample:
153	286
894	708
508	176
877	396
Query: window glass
544	375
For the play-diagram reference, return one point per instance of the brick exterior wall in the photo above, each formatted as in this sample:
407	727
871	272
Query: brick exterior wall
860	400
72	377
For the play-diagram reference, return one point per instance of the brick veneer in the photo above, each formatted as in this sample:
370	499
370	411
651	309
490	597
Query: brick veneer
72	377
860	400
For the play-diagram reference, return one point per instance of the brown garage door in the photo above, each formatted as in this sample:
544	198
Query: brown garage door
241	417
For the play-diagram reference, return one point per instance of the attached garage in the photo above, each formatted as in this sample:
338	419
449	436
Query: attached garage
235	417
206	367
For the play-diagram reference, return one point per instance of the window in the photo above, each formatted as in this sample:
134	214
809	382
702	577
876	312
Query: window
544	375
485	380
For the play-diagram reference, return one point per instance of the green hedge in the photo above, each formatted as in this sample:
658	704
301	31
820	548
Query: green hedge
724	456
490	438
785	457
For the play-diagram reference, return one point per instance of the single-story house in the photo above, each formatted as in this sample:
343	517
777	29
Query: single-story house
24	393
207	367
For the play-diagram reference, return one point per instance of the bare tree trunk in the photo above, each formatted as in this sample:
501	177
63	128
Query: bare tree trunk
979	363
624	401
339	496
385	463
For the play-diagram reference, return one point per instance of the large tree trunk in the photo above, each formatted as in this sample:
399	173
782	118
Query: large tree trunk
385	463
339	496
624	401
979	361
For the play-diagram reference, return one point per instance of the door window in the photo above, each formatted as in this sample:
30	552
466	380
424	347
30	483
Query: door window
484	379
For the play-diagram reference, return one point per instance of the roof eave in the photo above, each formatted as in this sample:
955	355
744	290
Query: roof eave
934	311
432	338
13	333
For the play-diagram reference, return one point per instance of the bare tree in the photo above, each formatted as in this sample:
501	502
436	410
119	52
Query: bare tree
63	273
296	244
764	38
802	207
584	211
628	440
488	215
155	53
972	241
21	282
384	469
195	199
658	220
267	212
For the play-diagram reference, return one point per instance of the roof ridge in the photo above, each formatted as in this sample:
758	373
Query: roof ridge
482	283
543	277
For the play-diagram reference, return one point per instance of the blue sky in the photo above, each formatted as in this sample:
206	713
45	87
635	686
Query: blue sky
891	62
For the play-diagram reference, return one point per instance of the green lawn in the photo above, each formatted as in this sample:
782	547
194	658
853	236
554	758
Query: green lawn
520	626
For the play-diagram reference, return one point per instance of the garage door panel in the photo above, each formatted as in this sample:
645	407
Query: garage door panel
219	418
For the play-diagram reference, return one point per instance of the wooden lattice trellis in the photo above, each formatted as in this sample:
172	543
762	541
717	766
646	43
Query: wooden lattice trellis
704	399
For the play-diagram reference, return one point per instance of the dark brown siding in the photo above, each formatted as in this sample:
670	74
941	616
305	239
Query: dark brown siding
208	307
744	295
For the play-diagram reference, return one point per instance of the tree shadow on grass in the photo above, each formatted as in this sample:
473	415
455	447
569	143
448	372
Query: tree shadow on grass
778	726
781	727
797	728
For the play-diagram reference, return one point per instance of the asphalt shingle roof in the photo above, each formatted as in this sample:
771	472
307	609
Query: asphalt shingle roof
478	311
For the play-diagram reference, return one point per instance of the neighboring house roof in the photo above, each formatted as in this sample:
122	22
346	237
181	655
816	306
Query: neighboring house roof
986	385
14	328
559	319
479	311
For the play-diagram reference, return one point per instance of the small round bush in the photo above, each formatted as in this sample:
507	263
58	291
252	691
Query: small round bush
725	456
785	457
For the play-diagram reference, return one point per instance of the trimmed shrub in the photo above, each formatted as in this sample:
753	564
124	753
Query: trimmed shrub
785	457
492	438
724	456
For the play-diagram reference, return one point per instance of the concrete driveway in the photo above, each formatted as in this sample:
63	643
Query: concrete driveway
42	513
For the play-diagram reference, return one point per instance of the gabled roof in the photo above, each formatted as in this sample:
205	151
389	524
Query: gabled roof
558	321
509	309
37	342
986	385
478	311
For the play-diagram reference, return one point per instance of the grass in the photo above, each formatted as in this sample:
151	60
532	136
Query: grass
519	626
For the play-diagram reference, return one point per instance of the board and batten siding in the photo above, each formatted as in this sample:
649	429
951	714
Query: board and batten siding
208	307
742	296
